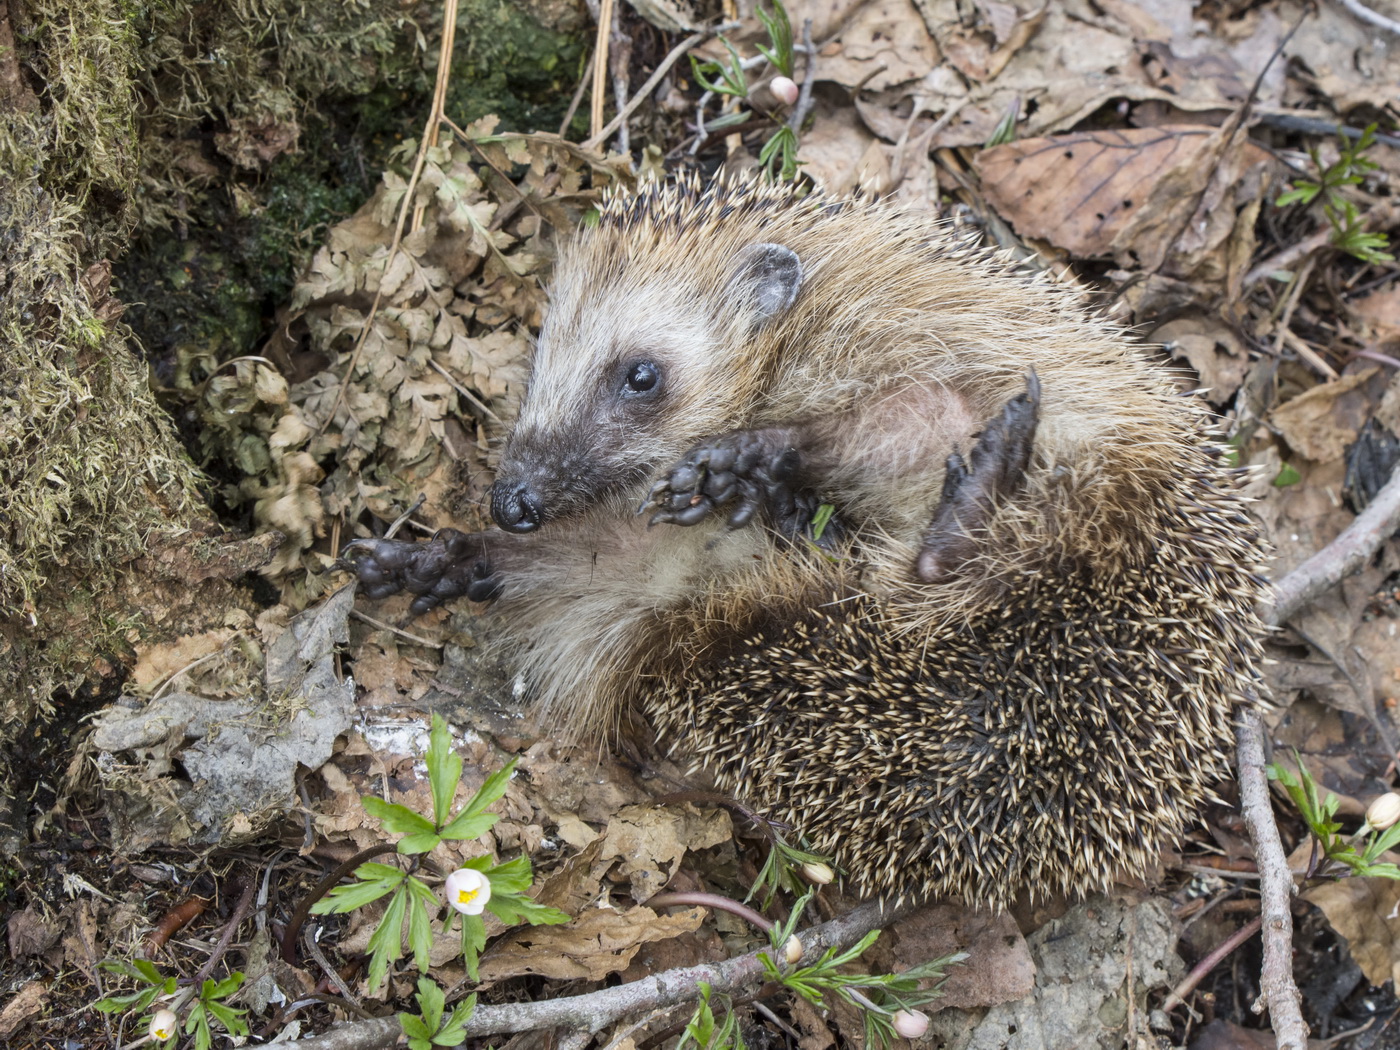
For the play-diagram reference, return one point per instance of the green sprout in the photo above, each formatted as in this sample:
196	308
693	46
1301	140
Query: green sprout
779	153
429	1028
880	997
1334	853
787	868
207	1002
1349	170
703	1033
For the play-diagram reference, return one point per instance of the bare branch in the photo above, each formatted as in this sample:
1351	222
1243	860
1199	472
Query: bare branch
596	1010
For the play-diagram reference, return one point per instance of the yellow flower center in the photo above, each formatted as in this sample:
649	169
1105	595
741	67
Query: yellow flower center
467	896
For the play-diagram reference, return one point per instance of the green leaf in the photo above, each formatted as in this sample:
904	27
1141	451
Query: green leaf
1287	476
515	908
224	988
467	824
420	931
397	819
1384	871
514	876
352	896
473	940
431	1000
229	1017
424	842
779	28
454	1031
385	943
1304	192
444	769
418	1033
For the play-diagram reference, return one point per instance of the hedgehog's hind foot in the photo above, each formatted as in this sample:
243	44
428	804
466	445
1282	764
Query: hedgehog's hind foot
448	566
995	469
741	472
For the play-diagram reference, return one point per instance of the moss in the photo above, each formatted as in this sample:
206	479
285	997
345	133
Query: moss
509	64
201	149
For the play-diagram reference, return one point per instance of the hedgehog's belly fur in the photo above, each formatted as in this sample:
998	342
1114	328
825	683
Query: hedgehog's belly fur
1053	743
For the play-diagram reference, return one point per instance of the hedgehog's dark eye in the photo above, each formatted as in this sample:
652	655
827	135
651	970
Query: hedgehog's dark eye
642	378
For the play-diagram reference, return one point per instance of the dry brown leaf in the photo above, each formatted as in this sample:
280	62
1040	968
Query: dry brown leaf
1352	64
886	38
28	1002
999	968
1380	311
1320	423
651	840
1367	913
1135	193
599	942
156	663
982	51
836	150
1220	359
1080	191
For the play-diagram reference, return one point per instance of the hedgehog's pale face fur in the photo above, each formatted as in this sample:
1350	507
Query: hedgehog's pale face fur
1052	714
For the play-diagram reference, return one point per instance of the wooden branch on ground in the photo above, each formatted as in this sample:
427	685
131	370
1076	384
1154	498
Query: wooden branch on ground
594	1011
1328	567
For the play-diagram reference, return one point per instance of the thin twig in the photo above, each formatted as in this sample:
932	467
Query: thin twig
1364	13
804	99
583	83
600	68
672	57
426	643
449	28
240	912
1277	992
1210	962
1340	558
1343	556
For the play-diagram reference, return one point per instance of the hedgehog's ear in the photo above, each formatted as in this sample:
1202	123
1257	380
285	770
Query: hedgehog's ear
766	280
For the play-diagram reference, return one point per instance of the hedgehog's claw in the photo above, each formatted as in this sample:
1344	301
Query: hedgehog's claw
994	469
450	565
741	472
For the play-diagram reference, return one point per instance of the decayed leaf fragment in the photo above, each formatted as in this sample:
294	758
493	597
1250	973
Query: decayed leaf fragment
1367	913
599	942
1321	422
1138	194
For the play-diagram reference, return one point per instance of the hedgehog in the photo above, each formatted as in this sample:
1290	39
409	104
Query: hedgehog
933	563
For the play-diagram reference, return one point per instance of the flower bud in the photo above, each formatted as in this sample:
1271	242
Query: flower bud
468	890
793	949
1384	811
817	873
163	1025
784	90
910	1024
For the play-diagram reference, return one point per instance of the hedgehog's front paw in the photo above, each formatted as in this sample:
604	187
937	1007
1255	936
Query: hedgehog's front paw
450	565
744	470
995	469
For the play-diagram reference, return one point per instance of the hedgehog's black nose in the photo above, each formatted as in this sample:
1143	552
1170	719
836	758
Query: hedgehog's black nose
516	508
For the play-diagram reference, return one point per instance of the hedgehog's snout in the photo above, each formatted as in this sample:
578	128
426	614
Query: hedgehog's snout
517	508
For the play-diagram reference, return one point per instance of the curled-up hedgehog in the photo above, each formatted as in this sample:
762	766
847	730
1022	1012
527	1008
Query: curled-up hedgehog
933	563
